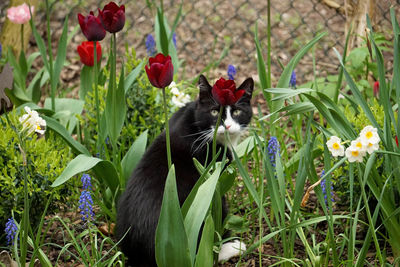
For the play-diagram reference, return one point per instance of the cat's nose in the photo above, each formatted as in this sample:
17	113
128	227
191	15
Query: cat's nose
227	127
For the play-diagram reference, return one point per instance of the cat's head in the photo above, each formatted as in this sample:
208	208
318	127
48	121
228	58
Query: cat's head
235	118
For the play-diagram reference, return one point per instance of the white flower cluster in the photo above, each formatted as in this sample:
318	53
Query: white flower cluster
32	122
367	142
179	99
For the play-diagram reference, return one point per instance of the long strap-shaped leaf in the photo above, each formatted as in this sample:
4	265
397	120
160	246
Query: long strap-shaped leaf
172	247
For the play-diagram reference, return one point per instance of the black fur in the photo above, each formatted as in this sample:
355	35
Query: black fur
140	204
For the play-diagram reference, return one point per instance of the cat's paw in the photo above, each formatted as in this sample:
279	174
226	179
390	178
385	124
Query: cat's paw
231	249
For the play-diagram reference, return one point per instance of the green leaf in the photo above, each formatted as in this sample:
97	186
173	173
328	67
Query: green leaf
79	164
33	91
171	242
40	43
133	156
66	111
86	81
287	72
357	94
115	110
61	54
161	33
262	73
132	76
58	128
205	255
198	210
103	169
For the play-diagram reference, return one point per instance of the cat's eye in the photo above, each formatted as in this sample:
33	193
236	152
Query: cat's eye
214	112
236	112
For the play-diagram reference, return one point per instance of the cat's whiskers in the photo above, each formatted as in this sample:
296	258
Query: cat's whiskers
205	136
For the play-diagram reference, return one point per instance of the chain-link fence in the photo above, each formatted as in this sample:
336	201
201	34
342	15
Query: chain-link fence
207	26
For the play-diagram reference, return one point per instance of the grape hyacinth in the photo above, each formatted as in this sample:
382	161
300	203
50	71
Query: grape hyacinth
151	45
231	72
174	39
273	150
85	200
292	82
11	231
324	190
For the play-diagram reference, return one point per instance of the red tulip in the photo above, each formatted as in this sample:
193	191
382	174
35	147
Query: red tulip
225	92
86	52
112	17
160	70
397	140
376	88
91	27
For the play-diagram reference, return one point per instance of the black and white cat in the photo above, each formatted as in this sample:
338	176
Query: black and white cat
191	130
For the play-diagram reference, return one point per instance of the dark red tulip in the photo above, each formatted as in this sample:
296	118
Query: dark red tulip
376	88
91	27
112	17
225	92
397	140
160	70
86	52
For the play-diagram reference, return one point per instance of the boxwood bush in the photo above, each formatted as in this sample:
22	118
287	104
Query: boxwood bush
47	157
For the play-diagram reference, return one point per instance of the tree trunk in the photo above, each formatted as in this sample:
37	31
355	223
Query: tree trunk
11	32
356	11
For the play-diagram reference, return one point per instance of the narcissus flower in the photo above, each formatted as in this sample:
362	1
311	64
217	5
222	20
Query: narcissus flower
91	27
225	92
112	17
32	122
19	14
86	52
369	135
179	98
356	151
335	147
160	70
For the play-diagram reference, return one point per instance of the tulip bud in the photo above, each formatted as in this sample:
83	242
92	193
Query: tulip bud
91	27
160	70
225	92
86	52
112	17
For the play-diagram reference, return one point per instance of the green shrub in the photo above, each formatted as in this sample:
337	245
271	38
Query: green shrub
47	157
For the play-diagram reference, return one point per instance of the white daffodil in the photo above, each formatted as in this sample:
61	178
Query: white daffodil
32	122
179	99
335	147
356	151
369	135
371	147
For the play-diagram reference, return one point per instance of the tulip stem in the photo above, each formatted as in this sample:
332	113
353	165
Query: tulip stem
22	37
96	95
167	140
214	145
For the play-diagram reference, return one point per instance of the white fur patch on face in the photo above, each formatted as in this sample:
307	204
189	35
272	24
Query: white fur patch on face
230	250
231	126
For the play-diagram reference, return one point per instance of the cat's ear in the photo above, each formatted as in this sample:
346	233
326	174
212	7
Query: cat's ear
205	89
247	86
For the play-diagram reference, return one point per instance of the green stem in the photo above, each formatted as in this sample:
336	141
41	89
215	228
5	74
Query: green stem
214	145
96	96
22	37
167	140
53	90
114	88
25	216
